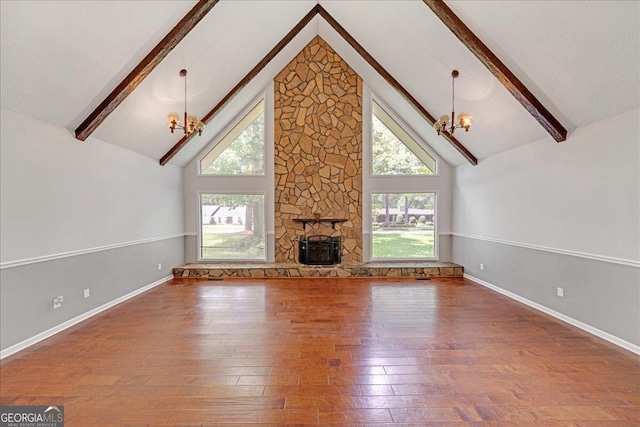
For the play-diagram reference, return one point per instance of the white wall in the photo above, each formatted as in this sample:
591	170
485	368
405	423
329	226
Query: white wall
78	216
580	195
546	215
61	195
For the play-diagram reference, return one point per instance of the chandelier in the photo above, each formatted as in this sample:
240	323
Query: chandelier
464	120
191	122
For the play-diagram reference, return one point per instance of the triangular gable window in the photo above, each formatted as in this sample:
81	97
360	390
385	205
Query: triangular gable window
241	151
394	151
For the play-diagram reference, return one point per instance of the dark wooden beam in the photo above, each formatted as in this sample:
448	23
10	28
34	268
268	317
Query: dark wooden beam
144	68
394	83
245	81
498	69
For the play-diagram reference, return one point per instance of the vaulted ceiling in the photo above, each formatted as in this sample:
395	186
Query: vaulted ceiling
60	60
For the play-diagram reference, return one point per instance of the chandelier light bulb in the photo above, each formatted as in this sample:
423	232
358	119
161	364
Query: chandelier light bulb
173	119
465	121
192	120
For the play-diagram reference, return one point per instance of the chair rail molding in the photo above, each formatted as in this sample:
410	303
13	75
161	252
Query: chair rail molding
596	257
27	261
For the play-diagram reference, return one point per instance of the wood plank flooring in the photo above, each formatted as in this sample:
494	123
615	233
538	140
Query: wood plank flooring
444	352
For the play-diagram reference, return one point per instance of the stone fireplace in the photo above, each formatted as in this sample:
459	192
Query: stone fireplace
318	151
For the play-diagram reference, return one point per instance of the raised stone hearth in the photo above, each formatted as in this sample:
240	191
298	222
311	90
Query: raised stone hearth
372	269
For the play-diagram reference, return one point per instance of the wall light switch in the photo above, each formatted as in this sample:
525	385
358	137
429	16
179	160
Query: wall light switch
159	266
560	292
87	293
481	266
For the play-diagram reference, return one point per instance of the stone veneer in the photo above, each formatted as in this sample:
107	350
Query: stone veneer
374	269
318	150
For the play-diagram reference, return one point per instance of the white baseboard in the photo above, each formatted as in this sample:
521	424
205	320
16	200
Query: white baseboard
578	324
69	323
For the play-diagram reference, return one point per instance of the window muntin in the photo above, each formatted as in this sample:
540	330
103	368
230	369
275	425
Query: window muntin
393	150
232	226
242	150
403	226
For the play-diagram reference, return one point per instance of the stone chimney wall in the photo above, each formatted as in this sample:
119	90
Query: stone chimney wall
318	150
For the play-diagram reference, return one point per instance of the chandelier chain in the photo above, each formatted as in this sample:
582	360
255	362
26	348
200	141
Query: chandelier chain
453	97
185	92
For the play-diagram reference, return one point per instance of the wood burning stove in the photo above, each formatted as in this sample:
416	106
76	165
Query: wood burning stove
319	250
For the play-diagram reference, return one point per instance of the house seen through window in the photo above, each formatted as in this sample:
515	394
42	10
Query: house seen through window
232	226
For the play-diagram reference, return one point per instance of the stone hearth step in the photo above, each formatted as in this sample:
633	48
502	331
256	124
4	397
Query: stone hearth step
370	269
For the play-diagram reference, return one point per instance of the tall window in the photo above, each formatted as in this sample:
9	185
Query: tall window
393	150
242	150
402	187
403	225
232	226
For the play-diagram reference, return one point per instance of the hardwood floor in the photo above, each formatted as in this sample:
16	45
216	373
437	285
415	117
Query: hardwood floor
324	352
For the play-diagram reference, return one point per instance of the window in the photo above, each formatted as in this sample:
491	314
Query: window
232	226
241	151
403	226
401	188
394	151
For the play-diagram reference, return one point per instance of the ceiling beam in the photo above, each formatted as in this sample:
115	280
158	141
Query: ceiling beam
245	81
317	9
394	83
144	68
498	69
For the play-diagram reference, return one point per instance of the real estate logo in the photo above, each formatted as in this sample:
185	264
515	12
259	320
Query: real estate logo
31	416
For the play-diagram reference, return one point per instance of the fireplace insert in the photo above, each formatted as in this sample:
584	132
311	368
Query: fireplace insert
319	250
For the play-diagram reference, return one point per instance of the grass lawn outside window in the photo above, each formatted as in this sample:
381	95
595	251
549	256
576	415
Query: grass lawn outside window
394	244
231	242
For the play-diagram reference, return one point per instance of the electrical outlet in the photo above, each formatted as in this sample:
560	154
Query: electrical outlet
87	293
481	266
159	266
57	302
560	292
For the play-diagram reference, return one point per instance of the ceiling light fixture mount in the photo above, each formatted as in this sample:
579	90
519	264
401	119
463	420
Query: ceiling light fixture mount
191	122
464	120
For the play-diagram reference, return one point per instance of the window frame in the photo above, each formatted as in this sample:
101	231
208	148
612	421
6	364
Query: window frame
402	127
240	193
398	183
226	131
436	255
409	131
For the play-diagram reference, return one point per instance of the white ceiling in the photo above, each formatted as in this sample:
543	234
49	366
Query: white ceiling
59	60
